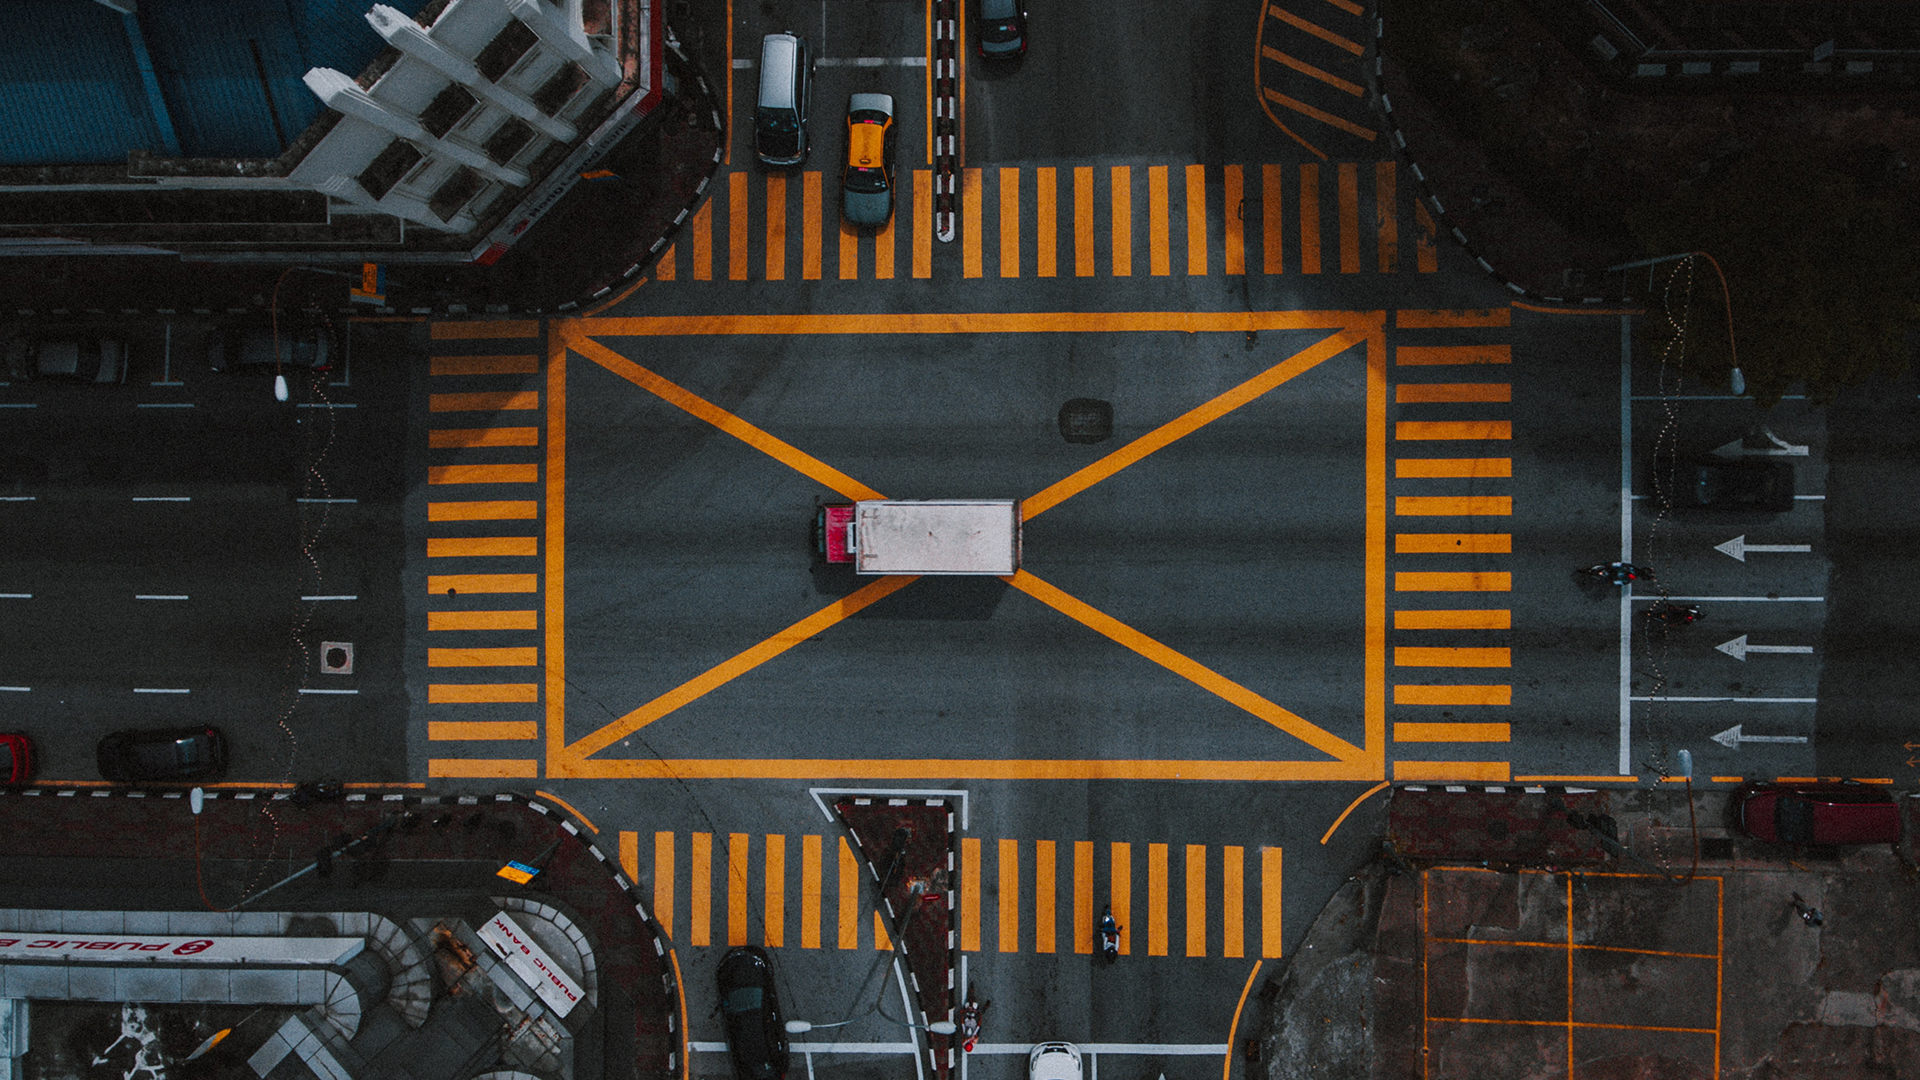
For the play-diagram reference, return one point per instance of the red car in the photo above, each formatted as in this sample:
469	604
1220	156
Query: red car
16	759
1818	813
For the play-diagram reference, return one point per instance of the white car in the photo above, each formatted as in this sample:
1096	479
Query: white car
1054	1061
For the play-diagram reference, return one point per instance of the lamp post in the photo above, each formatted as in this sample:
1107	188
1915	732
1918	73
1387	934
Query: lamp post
1735	380
938	1027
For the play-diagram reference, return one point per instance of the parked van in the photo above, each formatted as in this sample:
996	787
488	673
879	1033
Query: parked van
786	88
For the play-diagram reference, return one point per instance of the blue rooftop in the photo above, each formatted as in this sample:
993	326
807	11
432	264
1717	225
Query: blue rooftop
81	84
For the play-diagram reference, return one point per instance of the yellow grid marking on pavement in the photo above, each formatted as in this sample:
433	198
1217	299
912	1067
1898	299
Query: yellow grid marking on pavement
811	891
970	859
630	862
1083	221
1233	901
573	760
1426	256
1417	468
1408	732
810	256
1120	891
703	242
1309	218
1453	318
443	584
1159	261
463	438
663	856
1452	581
849	252
1233	208
484	328
495	510
1083	896
1459	772
971	262
1420	393
1196	908
554	601
1272	213
1441	355
1445	430
1316	30
478	730
1272	905
883	249
849	897
483	769
1348	6
502	657
1453	506
1453	695
1009	223
483	474
482	693
444	547
737	226
1009	874
776	226
1196	220
483	620
923	224
774	886
483	365
1343	85
882	942
738	851
1046	221
490	401
700	895
1479	619
1045	896
1452	543
1120	200
1156	899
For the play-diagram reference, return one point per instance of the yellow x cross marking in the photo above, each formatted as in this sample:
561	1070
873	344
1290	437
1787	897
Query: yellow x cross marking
1349	762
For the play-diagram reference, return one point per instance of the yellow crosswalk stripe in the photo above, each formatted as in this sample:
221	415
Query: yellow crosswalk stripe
737	226
811	892
1156	899
774	915
970	224
1310	218
1159	260
1083	896
1046	223
663	852
1120	199
776	227
970	894
1233	902
1196	911
1043	896
1233	207
1272	909
1009	223
849	897
1196	221
700	896
1120	893
810	225
737	854
1009	873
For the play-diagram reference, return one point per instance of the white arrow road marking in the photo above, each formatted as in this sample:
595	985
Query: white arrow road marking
1732	738
1738	648
1738	548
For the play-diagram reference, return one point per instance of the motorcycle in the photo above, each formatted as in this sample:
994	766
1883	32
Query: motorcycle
971	1014
1109	936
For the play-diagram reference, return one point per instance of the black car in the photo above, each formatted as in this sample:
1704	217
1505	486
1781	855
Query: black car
756	1035
192	753
1000	29
1720	484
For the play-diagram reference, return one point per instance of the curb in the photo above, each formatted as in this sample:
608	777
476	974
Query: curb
661	947
1384	108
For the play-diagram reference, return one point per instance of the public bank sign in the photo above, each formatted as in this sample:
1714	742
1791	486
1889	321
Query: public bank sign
16	947
529	961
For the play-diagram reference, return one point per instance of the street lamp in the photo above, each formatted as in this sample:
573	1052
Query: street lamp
938	1027
1736	381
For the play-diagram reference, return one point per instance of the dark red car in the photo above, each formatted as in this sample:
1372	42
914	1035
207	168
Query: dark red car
16	759
1818	813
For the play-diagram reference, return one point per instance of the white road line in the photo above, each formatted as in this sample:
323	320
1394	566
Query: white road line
873	61
18	405
158	596
328	405
16	596
18	498
329	598
1710	397
1813	498
1740	600
163	405
16	689
1741	700
159	690
894	793
1626	541
307	690
327	500
1002	1049
163	498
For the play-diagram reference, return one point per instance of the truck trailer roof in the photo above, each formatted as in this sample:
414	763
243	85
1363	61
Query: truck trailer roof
936	536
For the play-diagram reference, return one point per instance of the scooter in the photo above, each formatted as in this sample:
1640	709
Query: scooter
1109	936
971	1015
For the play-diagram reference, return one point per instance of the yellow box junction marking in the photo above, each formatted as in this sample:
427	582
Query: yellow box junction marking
1365	761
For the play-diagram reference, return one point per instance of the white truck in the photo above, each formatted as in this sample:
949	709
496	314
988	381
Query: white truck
921	536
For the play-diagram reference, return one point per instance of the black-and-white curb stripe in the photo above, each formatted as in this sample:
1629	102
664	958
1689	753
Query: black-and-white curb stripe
946	118
953	908
566	822
1384	105
1499	789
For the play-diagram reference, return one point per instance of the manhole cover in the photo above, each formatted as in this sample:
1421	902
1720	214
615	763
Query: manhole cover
1086	420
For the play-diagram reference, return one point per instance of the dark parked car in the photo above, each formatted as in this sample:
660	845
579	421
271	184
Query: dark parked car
1818	813
1000	28
16	759
253	349
756	1035
1720	484
85	358
192	753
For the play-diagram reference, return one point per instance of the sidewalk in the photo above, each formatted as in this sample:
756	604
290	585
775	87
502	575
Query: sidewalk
1453	969
418	892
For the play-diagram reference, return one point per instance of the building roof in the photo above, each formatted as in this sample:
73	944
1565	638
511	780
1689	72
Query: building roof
83	84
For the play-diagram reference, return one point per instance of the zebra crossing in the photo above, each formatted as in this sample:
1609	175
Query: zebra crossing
1118	221
1014	895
